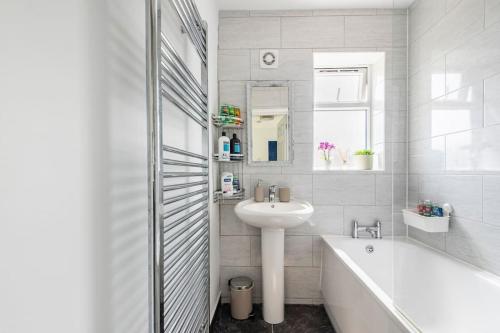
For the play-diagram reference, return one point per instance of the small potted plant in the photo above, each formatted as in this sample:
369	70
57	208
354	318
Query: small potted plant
363	159
326	147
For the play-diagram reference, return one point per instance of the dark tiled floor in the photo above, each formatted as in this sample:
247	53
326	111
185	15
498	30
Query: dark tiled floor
298	319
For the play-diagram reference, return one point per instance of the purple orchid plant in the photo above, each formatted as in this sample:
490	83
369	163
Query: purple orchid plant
326	147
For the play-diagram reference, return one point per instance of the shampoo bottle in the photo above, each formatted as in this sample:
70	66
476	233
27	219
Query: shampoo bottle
235	145
224	150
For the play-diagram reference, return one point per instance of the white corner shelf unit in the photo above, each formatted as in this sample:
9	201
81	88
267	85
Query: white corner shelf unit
426	223
229	125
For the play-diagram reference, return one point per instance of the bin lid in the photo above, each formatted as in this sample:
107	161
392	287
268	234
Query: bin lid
241	283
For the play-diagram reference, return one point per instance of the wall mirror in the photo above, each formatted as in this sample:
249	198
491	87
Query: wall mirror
269	119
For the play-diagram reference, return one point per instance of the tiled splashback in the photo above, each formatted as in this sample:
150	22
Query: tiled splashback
454	122
338	197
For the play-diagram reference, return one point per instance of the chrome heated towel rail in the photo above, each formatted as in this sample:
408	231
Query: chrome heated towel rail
178	176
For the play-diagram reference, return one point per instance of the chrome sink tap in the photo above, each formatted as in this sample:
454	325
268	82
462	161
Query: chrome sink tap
272	193
374	231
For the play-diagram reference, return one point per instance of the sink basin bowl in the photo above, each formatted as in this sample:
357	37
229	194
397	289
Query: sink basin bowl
274	215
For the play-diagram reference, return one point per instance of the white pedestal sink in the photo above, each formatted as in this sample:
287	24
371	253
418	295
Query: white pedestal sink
273	218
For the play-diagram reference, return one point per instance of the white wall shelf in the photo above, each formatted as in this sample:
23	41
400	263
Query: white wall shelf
426	223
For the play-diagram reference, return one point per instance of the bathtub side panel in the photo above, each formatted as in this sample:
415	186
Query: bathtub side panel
352	309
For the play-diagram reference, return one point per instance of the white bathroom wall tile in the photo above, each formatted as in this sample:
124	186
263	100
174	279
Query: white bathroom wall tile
281	13
396	96
476	243
451	4
311	32
383	193
428	83
255	251
345	12
304	301
229	272
230	224
475	150
427	156
327	219
413	189
344	189
233	13
294	64
391	190
233	92
233	65
235	250
318	301
452	31
303	127
303	96
435	240
249	32
492	100
302	159
475	60
398	225
391	11
367	215
424	14
302	282
300	185
396	126
491	197
317	251
459	110
375	31
395	62
464	193
298	251
492	12
396	157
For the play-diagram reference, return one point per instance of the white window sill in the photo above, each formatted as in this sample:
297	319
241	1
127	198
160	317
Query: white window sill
348	171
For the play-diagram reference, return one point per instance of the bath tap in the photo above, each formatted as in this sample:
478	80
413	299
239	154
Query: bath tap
272	193
374	231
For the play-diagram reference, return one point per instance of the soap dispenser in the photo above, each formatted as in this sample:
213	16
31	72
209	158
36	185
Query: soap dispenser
224	151
259	192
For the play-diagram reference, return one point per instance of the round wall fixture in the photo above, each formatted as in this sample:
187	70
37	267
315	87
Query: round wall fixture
269	59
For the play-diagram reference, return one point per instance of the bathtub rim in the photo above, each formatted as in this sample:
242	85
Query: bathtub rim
366	281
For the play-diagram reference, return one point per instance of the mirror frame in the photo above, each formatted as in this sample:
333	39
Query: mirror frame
250	85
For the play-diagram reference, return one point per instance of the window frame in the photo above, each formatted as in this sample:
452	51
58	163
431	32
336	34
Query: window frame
345	106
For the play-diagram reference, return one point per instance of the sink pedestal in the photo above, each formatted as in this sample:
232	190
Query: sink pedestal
273	281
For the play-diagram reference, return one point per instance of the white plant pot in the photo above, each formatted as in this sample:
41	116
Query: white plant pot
363	162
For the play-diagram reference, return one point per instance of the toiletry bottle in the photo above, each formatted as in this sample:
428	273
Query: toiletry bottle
235	146
259	192
227	184
236	184
224	150
428	208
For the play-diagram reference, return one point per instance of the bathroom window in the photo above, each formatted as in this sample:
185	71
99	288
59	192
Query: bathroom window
349	110
341	113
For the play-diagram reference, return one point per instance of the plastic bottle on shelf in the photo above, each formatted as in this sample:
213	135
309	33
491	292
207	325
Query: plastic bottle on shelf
235	145
227	184
224	148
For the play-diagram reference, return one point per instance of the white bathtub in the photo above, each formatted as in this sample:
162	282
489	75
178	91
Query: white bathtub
404	286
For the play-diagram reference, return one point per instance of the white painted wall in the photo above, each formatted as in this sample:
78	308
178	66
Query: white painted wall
73	166
210	13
